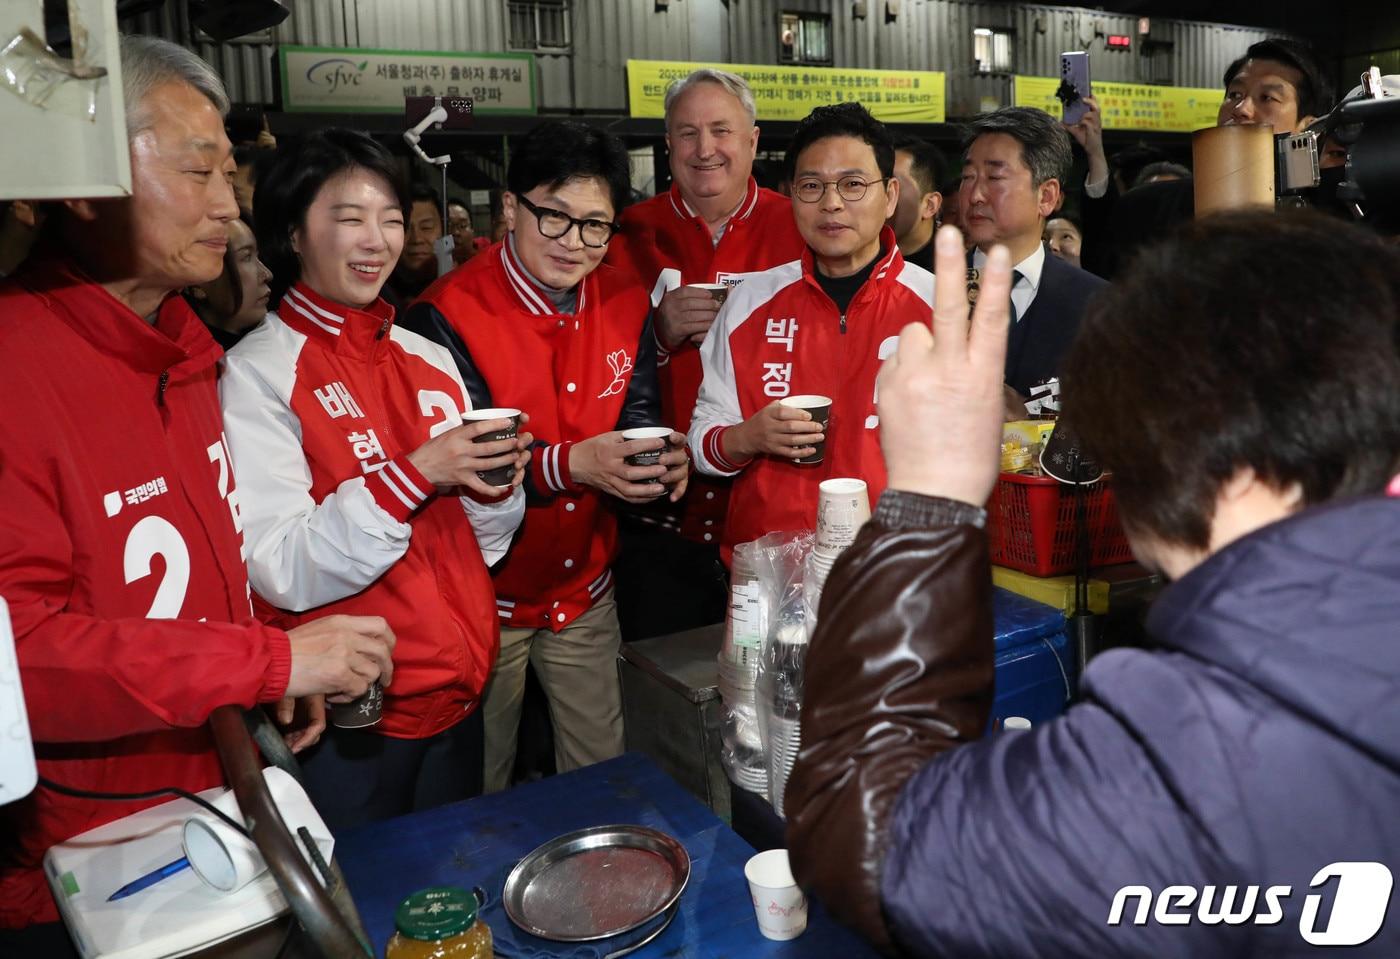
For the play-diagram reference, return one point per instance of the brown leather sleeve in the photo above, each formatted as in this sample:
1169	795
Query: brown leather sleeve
899	670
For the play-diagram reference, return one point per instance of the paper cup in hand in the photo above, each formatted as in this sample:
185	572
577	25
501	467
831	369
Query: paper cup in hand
843	506
649	457
360	712
780	907
717	291
820	408
501	475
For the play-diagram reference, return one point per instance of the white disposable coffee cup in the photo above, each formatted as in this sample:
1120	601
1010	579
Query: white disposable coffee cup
843	506
218	854
779	906
226	859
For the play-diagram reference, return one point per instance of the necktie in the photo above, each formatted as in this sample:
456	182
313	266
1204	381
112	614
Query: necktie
974	287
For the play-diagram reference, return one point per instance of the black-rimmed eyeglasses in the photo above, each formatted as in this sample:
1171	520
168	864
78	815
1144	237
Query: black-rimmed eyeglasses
849	188
555	224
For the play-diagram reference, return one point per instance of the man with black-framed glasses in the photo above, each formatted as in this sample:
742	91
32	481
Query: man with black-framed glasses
820	325
538	323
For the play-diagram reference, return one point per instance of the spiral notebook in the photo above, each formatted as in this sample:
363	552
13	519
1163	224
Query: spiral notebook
178	915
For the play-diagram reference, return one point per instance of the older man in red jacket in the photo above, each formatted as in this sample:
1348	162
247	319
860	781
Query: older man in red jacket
121	551
714	225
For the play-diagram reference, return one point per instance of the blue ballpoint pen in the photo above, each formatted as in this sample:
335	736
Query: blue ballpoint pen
150	879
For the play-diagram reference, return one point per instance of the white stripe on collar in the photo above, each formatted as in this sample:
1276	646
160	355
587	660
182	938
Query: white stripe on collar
884	268
753	199
533	300
307	314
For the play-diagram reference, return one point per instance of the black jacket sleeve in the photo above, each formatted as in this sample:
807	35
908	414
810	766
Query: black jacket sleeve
899	670
426	320
642	406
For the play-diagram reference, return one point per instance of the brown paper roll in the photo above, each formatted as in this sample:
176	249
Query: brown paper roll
1234	168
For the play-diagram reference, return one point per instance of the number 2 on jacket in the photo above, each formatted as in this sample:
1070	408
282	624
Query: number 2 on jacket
887	348
157	536
154	536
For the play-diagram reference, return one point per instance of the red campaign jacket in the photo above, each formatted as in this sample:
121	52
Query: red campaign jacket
120	559
576	375
780	335
323	404
664	244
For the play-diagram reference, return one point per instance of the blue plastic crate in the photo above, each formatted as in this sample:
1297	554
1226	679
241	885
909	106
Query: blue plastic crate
1035	664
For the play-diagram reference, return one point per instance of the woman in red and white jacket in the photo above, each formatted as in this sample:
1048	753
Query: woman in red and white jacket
349	450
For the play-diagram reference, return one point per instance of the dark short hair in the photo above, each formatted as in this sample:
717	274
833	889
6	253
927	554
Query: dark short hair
558	151
1189	368
842	120
292	183
1129	162
1044	143
422	193
925	161
1161	168
1068	216
1314	89
245	153
458	201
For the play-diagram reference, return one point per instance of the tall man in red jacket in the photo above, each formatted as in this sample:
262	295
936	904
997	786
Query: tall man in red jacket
821	324
714	225
121	552
539	323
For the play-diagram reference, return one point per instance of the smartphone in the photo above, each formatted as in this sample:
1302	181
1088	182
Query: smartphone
1074	85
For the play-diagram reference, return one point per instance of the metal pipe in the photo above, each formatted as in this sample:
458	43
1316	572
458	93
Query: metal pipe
312	906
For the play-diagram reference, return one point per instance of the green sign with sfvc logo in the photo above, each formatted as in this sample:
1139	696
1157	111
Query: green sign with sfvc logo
348	80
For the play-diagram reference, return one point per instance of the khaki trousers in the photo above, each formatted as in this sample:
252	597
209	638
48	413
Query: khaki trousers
577	667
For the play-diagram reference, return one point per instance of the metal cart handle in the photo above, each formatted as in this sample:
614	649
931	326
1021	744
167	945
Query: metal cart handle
327	915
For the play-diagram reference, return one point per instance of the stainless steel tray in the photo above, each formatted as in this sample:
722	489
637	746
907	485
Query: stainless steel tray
596	883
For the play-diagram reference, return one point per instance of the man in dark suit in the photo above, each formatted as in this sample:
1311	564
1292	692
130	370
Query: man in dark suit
1015	161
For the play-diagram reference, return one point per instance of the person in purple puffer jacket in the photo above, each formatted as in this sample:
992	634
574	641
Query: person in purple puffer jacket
1232	790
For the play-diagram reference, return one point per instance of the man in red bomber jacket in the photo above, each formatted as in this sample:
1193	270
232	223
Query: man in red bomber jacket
538	323
120	544
715	225
818	325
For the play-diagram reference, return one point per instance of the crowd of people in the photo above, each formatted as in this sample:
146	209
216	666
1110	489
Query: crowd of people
240	464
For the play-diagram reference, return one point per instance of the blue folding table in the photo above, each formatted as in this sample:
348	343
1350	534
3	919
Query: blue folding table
475	843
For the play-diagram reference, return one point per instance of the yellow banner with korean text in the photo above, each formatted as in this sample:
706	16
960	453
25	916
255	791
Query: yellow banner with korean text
1130	106
790	92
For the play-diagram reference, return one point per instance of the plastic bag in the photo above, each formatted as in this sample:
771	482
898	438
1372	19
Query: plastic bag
778	693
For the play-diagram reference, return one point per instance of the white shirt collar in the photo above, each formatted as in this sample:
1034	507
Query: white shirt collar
1030	268
1023	291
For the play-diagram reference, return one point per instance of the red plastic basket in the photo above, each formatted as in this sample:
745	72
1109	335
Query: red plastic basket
1030	525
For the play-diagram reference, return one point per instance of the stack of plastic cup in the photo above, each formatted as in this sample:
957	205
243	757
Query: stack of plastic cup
744	625
745	620
781	694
